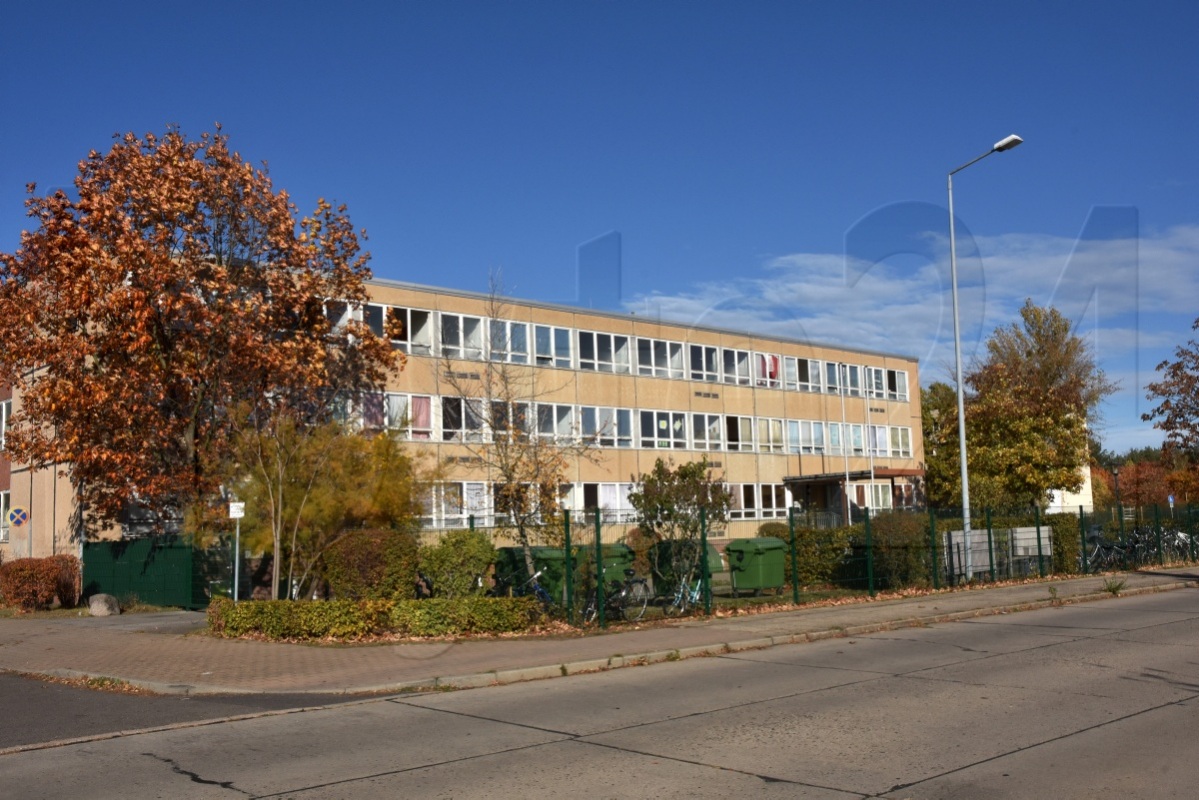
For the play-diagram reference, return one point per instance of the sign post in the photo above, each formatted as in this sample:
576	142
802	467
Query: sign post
236	512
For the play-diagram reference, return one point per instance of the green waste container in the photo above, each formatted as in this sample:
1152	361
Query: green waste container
757	564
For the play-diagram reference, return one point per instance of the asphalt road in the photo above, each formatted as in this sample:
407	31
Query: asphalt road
1091	700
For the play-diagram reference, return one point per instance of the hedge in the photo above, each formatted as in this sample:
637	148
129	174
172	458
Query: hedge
33	583
357	619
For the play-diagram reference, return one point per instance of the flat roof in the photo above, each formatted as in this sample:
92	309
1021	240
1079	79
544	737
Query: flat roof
626	316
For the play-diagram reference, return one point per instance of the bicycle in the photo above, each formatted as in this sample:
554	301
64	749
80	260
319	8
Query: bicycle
531	587
686	595
626	599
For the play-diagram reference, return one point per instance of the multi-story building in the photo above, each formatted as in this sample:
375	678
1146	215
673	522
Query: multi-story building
783	422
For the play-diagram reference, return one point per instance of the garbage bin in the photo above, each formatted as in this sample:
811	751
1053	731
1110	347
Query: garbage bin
756	564
551	563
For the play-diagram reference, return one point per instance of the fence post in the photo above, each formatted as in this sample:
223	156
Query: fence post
1123	541
794	564
991	545
1157	527
470	521
932	545
599	571
1082	540
704	573
1040	549
869	553
568	566
1191	529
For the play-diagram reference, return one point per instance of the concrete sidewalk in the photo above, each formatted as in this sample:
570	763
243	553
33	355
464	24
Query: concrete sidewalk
155	651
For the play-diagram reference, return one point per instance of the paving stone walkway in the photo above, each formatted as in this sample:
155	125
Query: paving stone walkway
168	653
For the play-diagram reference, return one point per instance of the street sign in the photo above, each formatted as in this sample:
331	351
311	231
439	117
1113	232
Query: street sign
237	510
1171	500
18	516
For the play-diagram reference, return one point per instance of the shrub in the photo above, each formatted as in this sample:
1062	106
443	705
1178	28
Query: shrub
372	565
457	563
443	617
350	619
902	557
1066	541
29	583
819	552
69	576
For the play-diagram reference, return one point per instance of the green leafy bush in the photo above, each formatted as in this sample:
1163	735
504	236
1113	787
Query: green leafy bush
819	552
1066	541
902	555
456	564
372	565
356	619
445	617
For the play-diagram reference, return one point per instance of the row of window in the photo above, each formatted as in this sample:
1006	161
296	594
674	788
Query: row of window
456	419
455	503
467	337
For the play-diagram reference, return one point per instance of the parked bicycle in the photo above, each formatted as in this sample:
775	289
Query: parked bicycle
626	599
686	595
531	587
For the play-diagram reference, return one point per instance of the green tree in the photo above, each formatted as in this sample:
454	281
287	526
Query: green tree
670	502
308	487
1028	407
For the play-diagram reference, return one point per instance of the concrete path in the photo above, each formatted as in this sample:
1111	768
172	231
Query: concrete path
166	653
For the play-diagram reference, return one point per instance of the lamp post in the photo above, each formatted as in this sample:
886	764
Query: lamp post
1006	143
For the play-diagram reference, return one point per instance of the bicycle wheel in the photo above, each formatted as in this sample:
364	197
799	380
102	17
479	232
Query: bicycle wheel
634	600
676	604
590	609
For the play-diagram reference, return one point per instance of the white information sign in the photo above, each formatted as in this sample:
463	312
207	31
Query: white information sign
237	510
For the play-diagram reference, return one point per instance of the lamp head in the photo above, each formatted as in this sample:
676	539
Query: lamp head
1007	143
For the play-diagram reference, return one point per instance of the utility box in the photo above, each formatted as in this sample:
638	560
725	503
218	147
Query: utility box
757	564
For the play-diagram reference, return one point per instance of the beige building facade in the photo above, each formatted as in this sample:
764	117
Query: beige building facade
782	422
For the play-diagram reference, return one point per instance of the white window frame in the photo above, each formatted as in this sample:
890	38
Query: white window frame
556	422
667	429
461	336
704	363
770	435
743	428
505	344
606	426
610	352
660	358
735	366
472	422
707	431
768	370
552	346
901	442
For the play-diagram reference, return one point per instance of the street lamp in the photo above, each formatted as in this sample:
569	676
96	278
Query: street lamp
1006	143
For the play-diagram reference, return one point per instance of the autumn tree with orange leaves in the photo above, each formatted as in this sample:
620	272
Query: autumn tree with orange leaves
174	286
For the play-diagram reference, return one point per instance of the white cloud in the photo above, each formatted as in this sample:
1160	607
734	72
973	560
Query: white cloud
1134	299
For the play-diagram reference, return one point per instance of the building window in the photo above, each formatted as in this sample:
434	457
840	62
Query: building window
452	504
5	505
878	440
857	440
873	495
832	377
897	385
739	432
745	501
876	382
5	415
705	363
811	437
774	501
901	442
409	328
556	422
707	431
766	370
552	346
661	429
461	337
611	499
604	352
735	364
409	414
509	341
607	427
659	358
507	418
808	375
770	435
461	420
834	439
853	380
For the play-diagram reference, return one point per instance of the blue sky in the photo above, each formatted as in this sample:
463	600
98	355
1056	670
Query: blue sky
776	165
